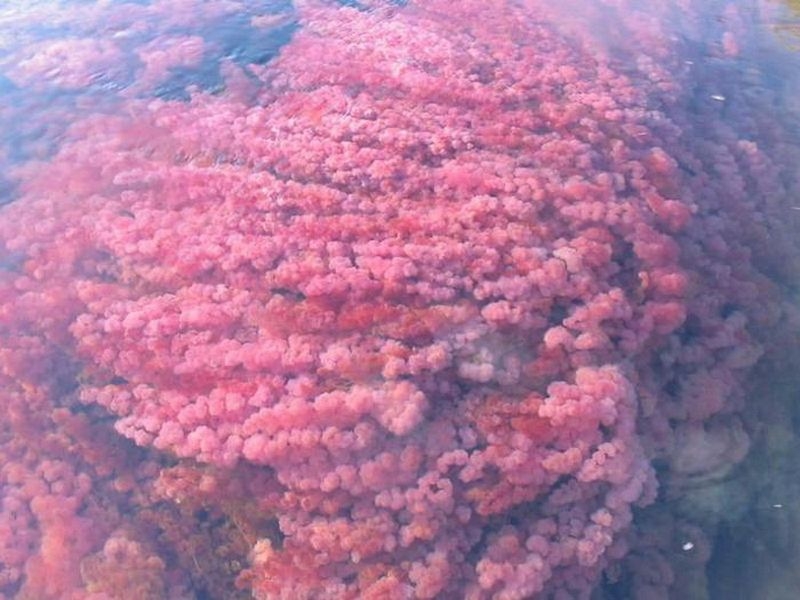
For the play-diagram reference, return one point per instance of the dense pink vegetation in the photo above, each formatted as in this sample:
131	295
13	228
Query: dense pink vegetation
413	321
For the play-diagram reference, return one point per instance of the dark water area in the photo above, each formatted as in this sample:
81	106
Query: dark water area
399	299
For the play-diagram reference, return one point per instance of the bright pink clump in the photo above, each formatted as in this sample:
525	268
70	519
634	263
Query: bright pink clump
450	285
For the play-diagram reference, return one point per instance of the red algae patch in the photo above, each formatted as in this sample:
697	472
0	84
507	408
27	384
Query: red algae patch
411	311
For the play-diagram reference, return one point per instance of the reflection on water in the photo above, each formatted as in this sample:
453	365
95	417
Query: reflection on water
788	25
398	299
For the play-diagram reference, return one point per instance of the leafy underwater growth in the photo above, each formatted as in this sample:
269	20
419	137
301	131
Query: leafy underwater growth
410	312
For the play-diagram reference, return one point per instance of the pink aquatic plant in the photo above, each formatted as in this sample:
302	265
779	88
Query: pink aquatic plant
409	312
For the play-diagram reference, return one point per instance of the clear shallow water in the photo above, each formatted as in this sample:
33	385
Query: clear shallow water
403	300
